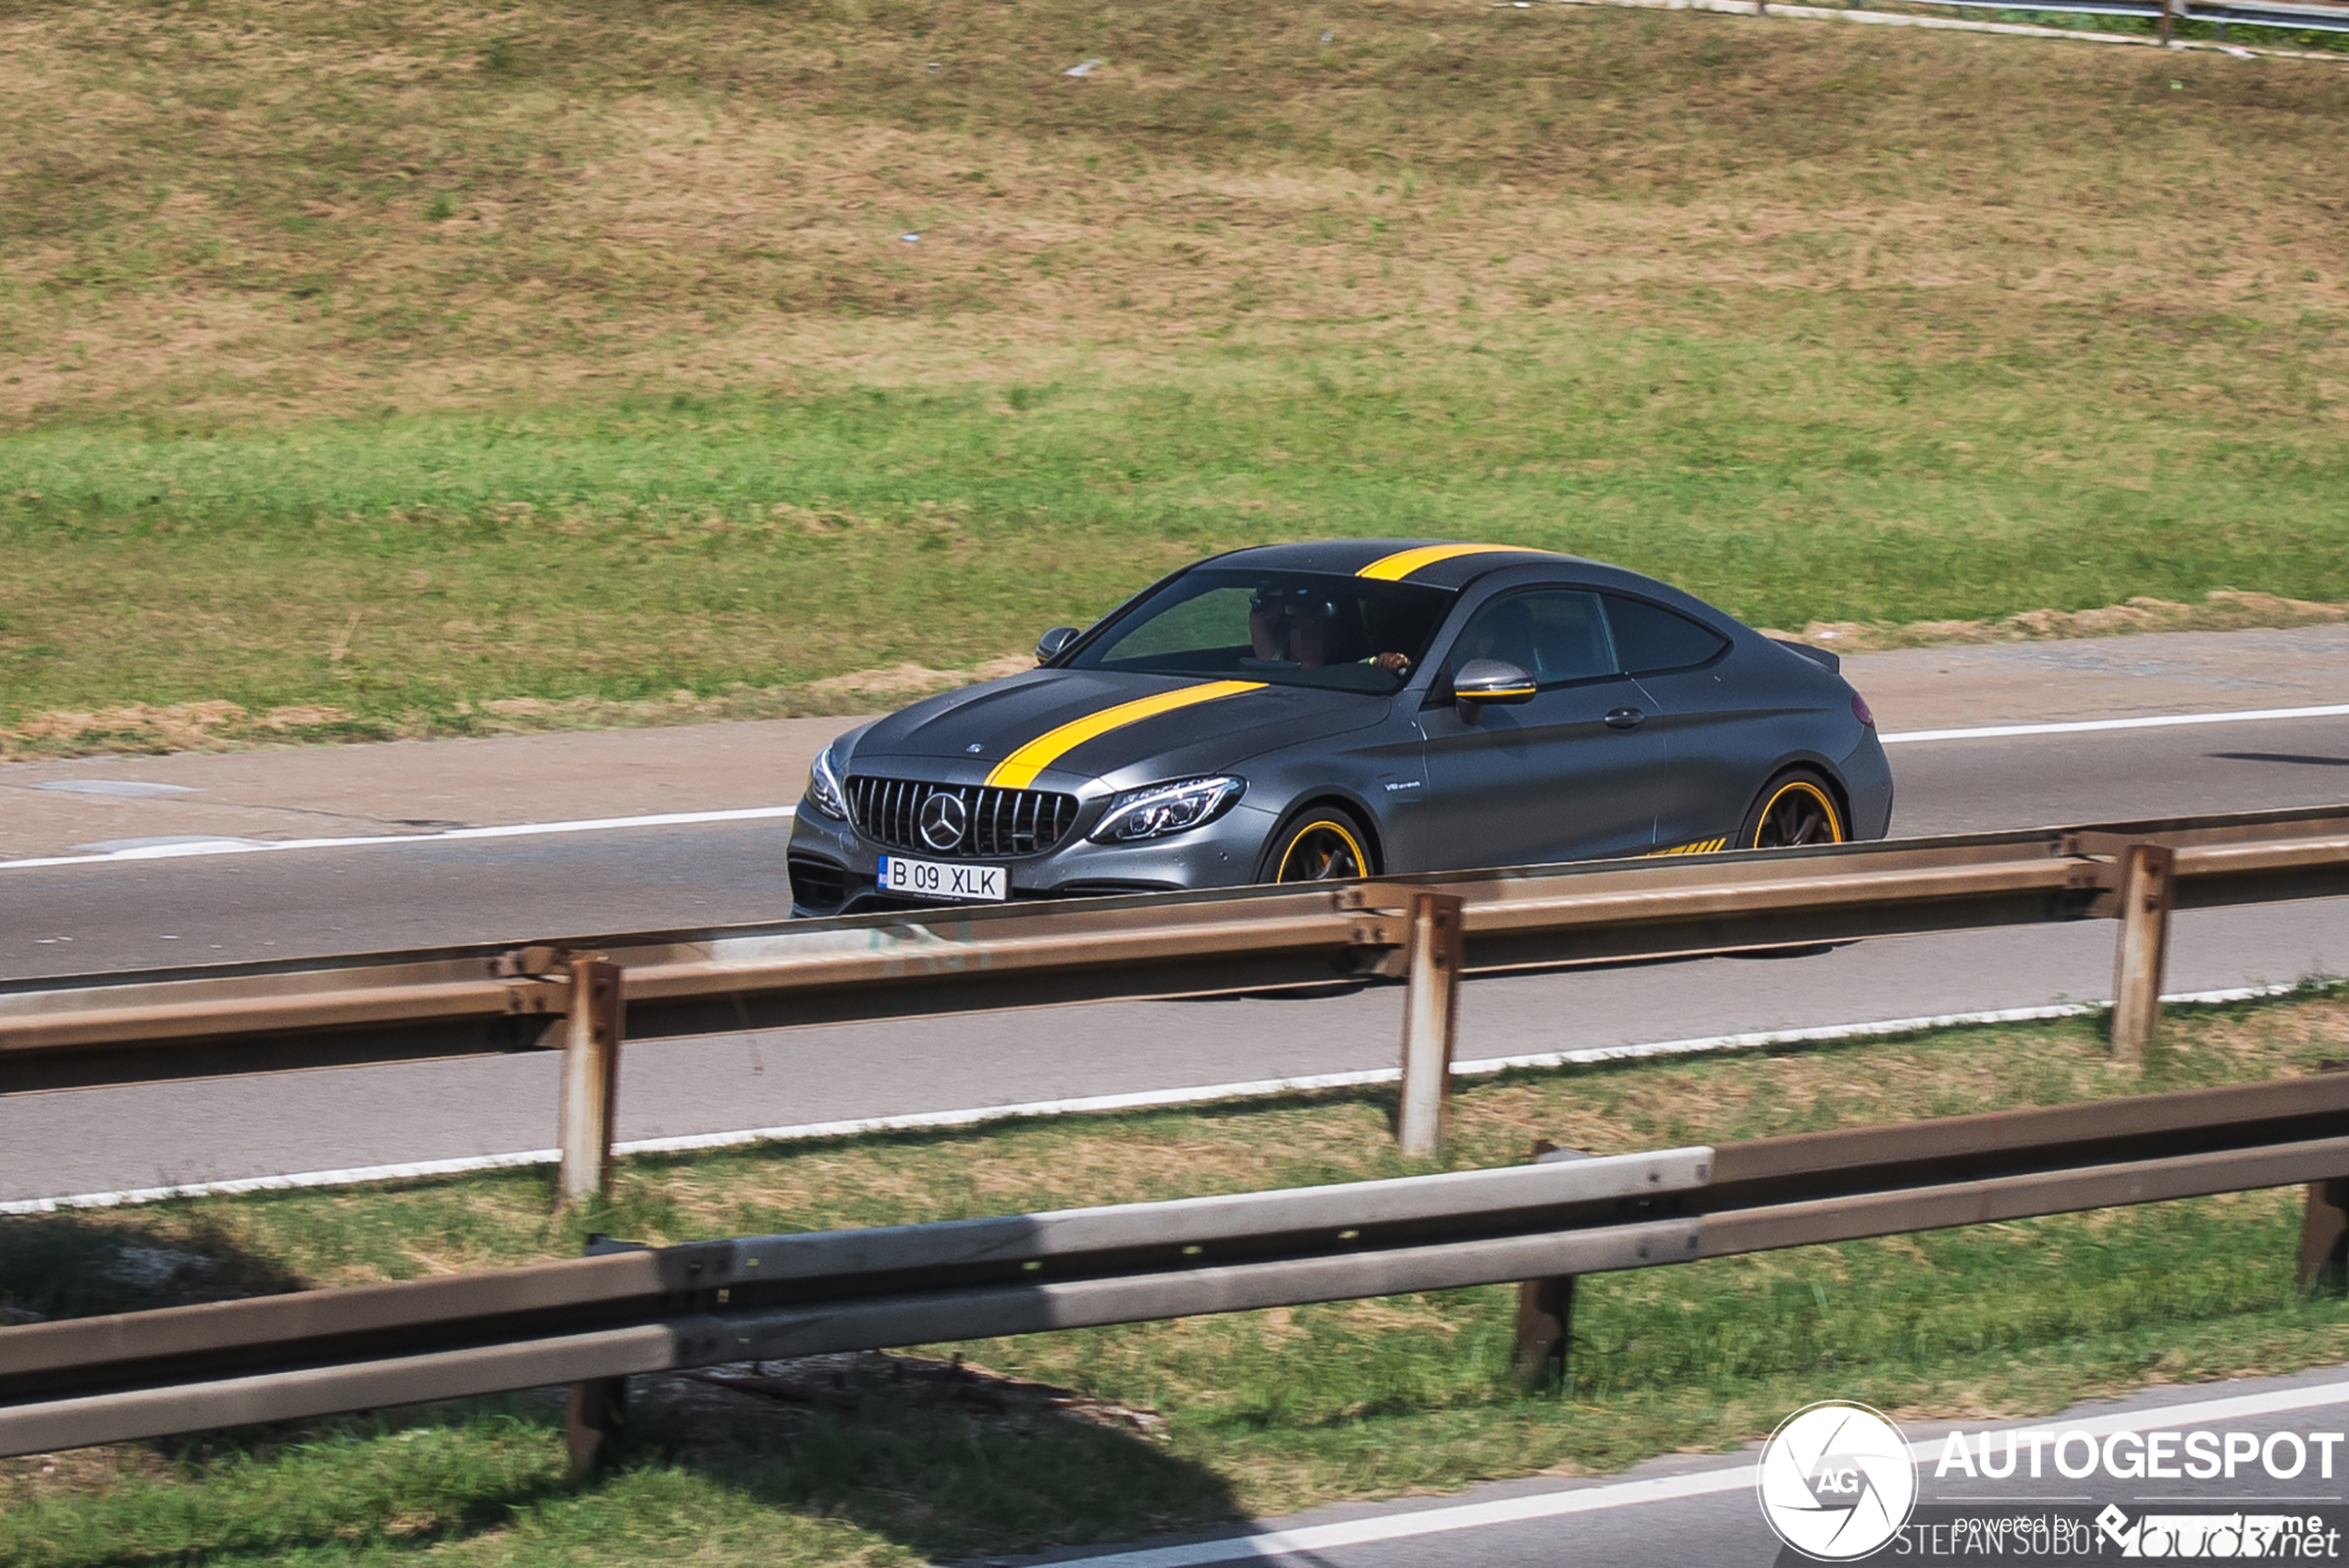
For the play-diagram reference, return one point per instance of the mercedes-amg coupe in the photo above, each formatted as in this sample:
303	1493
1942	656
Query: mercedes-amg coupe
1341	709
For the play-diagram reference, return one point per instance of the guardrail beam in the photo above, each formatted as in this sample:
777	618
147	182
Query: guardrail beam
594	1320
214	1020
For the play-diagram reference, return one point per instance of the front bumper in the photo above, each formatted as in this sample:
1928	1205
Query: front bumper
834	869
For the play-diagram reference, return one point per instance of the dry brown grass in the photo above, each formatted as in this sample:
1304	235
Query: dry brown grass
231	207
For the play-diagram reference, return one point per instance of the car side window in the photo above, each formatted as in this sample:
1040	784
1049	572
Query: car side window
1652	639
1555	635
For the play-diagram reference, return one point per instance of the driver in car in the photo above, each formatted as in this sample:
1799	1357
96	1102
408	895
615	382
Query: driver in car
1300	626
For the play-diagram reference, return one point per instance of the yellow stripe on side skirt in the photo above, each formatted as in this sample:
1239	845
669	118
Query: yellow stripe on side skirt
1019	770
1400	565
1703	847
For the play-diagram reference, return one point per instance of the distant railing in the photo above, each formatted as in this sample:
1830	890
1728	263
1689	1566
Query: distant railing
2292	15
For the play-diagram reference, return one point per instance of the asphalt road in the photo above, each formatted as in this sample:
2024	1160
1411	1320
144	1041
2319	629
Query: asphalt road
132	915
1704	1509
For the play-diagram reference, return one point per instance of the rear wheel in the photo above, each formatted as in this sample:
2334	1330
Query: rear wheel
1797	809
1319	844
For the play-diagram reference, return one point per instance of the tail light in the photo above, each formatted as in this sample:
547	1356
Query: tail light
1859	710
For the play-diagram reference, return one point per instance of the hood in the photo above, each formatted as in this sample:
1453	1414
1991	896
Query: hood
1062	728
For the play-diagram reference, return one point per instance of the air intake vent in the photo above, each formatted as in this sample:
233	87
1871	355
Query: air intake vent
817	884
961	820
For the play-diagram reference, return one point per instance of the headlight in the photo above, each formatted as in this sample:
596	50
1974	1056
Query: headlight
823	787
1165	808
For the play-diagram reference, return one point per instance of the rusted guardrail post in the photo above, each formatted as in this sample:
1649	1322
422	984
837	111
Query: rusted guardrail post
1430	1009
2146	878
2324	1236
1545	1307
598	1407
590	1080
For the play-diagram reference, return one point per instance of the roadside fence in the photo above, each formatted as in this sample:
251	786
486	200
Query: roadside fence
586	995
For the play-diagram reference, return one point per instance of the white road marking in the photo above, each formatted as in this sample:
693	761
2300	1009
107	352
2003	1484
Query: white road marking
225	846
1095	1105
2087	726
1733	1477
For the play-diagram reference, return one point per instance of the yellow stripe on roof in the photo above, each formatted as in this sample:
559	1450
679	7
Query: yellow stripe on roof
1400	565
1019	770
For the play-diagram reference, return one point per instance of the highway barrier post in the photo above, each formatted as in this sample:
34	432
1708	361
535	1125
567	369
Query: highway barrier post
1545	1307
2324	1236
1430	1008
597	1408
590	1079
2148	877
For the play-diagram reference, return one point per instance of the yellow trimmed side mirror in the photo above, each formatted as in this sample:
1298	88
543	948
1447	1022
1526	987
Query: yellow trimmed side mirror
1490	680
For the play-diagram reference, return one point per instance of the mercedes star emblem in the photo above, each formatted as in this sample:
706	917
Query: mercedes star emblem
944	819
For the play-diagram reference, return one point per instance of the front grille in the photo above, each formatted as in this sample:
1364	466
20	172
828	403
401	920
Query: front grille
997	822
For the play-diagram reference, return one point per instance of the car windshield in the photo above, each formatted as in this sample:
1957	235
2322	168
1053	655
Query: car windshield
1285	628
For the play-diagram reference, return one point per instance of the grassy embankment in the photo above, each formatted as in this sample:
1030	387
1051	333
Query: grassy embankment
369	365
1256	1411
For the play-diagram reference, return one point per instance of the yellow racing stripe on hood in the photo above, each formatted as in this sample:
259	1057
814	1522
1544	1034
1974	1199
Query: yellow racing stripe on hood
1400	565
1019	770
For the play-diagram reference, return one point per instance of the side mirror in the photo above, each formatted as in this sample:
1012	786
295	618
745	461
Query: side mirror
1049	645
1490	680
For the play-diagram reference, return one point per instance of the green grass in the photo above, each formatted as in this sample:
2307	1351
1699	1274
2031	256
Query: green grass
367	367
1262	1412
407	570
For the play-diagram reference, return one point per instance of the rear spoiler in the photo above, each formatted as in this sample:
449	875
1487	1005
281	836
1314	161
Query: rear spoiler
1817	655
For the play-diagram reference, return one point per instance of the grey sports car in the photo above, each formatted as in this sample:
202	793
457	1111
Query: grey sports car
1298	711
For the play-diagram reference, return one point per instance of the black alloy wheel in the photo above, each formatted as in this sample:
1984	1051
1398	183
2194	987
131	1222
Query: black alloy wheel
1324	845
1797	810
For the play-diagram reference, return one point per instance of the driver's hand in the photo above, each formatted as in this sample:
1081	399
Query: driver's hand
1393	664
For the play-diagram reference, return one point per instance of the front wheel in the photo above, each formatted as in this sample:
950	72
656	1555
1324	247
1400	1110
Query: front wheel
1322	844
1797	809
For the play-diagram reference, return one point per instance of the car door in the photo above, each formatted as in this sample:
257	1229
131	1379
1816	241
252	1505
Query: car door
1570	774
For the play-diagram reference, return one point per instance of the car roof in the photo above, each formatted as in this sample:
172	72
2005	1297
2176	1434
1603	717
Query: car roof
1433	563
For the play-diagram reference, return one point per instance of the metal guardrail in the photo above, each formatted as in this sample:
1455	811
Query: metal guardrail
592	1320
586	993
2293	18
2291	15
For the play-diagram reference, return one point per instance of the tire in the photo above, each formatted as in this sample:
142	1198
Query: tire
1797	808
1319	844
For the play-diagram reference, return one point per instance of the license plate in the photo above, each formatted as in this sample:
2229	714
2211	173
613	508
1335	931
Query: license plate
943	879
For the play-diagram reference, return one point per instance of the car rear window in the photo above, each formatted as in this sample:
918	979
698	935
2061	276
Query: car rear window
1650	639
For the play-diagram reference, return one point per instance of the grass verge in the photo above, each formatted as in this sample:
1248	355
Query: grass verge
370	367
1253	1413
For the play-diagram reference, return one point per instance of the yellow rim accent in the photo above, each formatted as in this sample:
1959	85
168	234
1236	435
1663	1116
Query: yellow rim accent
1835	822
1361	861
1400	565
1019	770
